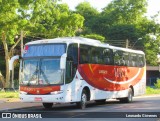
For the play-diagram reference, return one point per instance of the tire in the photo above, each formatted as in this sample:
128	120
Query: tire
82	103
47	105
129	98
103	101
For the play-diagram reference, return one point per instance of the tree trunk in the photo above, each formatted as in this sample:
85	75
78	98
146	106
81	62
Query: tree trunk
8	55
7	58
2	79
8	83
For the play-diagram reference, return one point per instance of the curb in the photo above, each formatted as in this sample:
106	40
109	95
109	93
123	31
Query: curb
145	96
3	100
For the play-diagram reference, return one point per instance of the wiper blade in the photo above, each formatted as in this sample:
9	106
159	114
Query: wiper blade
35	73
45	77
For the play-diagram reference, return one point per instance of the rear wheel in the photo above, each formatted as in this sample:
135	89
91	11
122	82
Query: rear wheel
47	105
129	98
82	103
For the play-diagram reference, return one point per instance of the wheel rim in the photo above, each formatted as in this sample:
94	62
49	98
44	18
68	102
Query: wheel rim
130	97
84	99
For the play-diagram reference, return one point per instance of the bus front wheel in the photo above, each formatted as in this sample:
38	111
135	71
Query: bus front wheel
82	103
47	105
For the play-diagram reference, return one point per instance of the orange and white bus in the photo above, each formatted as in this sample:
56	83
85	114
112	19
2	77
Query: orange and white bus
77	70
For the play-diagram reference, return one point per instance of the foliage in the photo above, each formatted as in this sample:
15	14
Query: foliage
125	19
9	94
9	19
42	18
121	19
157	85
95	36
151	49
150	90
89	13
125	11
123	32
48	19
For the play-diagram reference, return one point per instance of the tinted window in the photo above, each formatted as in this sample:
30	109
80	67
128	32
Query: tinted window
95	55
107	56
141	60
72	62
85	54
119	58
133	60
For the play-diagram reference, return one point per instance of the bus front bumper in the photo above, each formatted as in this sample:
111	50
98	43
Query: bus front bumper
42	98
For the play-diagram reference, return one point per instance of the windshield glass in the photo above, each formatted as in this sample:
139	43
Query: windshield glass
41	72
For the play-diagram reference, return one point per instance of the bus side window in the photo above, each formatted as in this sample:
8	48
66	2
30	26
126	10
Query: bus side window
126	58
72	62
107	56
84	54
94	55
140	60
121	58
117	58
133	60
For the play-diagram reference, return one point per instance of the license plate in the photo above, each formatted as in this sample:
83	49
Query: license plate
37	99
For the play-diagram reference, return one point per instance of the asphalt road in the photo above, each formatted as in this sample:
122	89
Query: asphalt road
140	109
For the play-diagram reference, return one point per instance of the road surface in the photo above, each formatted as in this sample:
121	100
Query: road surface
142	108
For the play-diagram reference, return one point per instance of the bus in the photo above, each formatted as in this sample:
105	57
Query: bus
78	70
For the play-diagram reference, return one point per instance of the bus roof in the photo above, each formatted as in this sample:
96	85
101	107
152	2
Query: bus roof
67	40
82	40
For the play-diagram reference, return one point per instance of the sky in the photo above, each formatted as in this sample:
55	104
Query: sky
153	5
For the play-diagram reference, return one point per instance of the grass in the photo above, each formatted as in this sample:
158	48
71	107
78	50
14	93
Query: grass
150	91
9	94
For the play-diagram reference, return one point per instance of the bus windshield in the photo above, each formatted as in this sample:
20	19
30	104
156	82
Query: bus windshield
41	72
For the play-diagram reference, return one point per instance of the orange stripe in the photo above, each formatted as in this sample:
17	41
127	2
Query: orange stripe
39	90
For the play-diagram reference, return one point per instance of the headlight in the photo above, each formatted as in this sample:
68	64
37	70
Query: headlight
22	92
56	92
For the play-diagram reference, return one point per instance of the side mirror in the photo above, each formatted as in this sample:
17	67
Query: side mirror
63	61
12	61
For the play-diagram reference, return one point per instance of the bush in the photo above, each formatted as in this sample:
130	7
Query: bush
157	85
95	36
150	91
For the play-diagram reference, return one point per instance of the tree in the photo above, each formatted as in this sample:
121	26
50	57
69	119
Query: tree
125	11
8	30
43	18
152	49
89	13
119	18
125	19
50	20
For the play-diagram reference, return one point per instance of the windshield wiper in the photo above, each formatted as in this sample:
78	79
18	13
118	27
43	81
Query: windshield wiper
43	74
35	73
45	77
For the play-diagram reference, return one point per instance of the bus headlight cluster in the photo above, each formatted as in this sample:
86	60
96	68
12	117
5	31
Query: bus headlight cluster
56	92
22	92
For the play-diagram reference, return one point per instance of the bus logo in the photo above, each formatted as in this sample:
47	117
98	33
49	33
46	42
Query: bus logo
103	72
120	72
